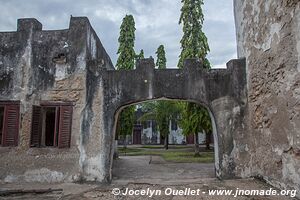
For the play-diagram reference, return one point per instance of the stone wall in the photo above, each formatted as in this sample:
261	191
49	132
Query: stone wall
268	35
221	91
41	65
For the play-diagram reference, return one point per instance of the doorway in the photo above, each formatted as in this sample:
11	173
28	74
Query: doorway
50	127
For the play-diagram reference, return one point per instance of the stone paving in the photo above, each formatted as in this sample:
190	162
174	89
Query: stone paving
136	174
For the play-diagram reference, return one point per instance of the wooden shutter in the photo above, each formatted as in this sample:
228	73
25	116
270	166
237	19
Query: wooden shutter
36	126
65	126
11	125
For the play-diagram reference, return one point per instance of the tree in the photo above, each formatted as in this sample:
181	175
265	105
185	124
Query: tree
194	42
140	55
195	118
126	40
161	61
126	61
193	45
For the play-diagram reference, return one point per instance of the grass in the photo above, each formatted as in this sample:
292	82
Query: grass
162	147
170	155
188	157
127	150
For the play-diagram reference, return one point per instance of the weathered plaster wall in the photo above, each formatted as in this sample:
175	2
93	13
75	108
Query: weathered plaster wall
223	92
268	35
38	65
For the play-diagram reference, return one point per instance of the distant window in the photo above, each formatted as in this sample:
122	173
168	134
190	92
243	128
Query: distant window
51	125
154	126
147	124
144	124
9	123
174	125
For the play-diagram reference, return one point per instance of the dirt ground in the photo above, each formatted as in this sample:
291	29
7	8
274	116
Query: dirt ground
149	169
134	173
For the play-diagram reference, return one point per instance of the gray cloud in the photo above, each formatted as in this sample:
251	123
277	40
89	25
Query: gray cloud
156	23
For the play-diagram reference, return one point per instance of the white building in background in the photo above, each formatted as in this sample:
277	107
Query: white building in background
149	134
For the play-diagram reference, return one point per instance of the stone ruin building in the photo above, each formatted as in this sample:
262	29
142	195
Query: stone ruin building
60	97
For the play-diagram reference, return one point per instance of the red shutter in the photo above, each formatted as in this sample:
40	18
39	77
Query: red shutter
65	126
11	125
36	126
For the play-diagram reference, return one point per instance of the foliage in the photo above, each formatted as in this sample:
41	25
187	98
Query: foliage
194	42
126	61
194	118
126	121
126	44
140	55
161	61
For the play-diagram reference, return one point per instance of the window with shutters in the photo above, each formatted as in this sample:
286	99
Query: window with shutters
51	125
9	123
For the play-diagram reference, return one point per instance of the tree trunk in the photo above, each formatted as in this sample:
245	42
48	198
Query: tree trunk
167	142
162	140
196	142
207	140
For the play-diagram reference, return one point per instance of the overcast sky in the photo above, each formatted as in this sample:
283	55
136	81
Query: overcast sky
156	23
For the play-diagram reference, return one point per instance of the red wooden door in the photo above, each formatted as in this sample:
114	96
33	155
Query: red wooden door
190	139
137	134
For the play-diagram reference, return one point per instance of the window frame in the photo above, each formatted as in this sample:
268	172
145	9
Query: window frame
59	107
56	125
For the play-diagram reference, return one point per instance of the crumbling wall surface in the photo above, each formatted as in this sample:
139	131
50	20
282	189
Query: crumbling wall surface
8	61
91	147
222	91
38	65
268	36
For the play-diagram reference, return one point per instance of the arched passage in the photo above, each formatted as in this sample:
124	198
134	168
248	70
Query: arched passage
214	130
221	91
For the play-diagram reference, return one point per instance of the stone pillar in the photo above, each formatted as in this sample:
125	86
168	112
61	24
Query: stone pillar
27	24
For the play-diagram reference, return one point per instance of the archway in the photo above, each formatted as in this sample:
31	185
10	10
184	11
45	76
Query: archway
214	132
222	91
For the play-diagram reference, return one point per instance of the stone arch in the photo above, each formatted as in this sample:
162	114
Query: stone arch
222	91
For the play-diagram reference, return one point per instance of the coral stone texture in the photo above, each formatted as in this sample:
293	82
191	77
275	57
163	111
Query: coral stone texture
268	35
